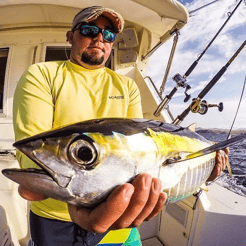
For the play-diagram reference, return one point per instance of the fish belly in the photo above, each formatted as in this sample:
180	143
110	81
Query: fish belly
190	181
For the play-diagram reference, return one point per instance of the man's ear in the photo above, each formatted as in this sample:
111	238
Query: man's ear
69	36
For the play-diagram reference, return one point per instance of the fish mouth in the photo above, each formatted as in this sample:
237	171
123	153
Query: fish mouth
15	174
28	171
41	182
41	172
45	172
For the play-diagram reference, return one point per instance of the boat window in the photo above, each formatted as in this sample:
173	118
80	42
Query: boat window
57	53
3	62
61	53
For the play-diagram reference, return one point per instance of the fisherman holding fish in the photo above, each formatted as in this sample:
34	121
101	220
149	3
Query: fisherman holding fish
54	94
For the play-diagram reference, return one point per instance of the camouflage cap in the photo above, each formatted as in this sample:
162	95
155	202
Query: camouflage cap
91	13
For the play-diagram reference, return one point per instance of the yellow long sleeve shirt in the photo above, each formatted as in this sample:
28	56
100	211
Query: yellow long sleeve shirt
55	94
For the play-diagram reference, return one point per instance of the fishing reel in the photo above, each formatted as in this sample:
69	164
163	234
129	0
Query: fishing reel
181	82
201	107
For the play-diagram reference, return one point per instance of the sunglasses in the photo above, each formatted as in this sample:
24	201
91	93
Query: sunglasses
93	31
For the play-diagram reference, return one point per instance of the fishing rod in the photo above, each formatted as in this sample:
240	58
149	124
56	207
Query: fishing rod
180	80
201	107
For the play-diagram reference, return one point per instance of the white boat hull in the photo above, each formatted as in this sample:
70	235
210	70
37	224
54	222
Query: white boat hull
218	219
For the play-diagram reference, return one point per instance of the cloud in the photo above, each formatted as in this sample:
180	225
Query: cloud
194	38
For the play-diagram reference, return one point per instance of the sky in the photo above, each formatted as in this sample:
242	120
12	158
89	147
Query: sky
195	36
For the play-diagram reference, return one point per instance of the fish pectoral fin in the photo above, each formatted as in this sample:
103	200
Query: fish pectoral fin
171	161
217	146
175	157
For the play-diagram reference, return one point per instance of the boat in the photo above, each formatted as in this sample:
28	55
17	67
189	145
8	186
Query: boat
34	31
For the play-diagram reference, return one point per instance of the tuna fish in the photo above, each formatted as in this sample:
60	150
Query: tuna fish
82	163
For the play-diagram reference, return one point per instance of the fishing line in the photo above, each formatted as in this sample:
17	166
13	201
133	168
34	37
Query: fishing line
180	80
193	11
239	104
211	10
229	93
229	135
223	97
230	131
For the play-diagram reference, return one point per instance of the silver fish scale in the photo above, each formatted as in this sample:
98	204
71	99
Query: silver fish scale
190	181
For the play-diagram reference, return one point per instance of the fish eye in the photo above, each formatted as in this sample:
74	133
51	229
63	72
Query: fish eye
82	152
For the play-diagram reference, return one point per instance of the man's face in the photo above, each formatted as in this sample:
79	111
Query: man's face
89	52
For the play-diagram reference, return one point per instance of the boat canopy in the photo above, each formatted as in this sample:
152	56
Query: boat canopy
158	17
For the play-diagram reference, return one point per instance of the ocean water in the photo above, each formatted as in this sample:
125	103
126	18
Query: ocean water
237	158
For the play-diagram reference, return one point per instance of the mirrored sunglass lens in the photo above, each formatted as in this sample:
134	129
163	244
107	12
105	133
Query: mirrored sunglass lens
108	35
92	31
89	31
95	30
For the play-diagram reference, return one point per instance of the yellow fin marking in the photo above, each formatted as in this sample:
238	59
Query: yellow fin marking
168	143
229	168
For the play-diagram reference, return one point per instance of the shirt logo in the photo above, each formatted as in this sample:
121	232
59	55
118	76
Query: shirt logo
116	97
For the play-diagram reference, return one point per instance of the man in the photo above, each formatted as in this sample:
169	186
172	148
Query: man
54	94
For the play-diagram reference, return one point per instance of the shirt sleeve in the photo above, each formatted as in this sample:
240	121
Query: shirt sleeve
32	107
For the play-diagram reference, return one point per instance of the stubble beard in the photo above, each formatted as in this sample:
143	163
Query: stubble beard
92	58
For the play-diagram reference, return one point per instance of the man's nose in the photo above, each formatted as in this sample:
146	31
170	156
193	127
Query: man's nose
99	37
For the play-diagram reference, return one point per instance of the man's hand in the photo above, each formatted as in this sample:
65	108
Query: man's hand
221	159
127	206
30	195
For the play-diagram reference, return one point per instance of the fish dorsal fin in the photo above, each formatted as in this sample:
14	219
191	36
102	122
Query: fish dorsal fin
192	127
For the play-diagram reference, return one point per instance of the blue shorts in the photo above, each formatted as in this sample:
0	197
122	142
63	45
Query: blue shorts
50	232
